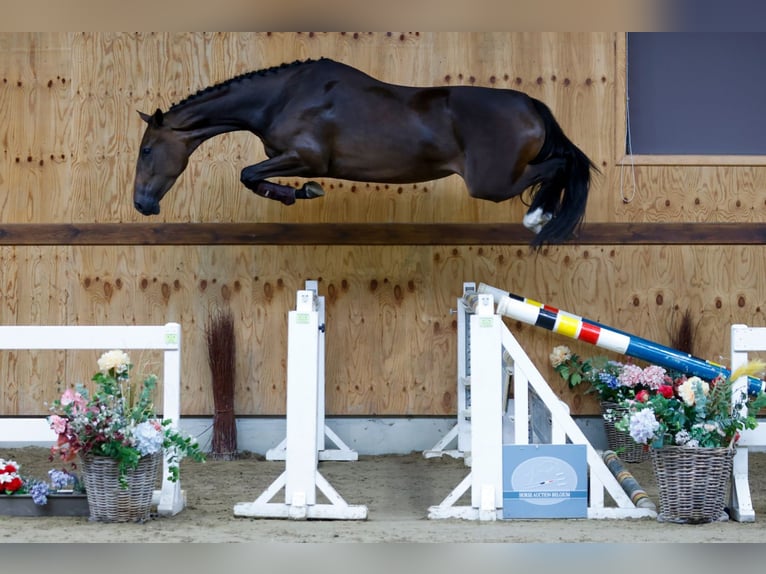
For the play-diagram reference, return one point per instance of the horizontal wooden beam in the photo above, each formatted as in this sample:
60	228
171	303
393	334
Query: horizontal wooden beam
371	234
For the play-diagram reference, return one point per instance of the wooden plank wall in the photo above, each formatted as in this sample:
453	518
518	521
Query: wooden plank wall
70	132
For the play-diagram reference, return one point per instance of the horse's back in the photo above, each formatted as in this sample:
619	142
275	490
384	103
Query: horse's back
393	133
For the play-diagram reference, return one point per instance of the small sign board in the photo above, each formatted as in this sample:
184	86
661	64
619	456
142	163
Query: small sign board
545	481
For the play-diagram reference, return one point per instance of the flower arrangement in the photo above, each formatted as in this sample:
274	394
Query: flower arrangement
613	381
117	421
13	482
694	413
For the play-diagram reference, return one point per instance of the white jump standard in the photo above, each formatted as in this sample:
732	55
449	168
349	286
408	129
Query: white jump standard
343	451
301	477
744	340
491	341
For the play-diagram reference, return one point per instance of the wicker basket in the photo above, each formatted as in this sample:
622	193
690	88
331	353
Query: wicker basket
692	483
620	441
107	501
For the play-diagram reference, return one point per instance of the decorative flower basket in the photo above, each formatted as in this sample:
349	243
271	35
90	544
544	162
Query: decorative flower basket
620	441
60	504
107	500
692	483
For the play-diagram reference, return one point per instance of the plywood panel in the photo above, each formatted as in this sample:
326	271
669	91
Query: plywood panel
69	133
99	80
35	106
390	334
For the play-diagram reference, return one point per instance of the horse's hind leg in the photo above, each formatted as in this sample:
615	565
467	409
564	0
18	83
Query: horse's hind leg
494	185
548	175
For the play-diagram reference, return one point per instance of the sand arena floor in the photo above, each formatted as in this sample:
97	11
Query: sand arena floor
397	491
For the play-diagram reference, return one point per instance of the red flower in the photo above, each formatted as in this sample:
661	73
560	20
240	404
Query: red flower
642	396
14	484
666	391
9	468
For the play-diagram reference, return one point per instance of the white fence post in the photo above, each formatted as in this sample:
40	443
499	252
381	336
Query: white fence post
301	477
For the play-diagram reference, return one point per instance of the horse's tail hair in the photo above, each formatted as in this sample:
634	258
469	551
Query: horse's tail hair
564	193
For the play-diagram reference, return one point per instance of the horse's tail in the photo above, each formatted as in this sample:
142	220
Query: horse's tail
565	193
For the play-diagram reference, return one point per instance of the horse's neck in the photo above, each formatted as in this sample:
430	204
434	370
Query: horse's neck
232	108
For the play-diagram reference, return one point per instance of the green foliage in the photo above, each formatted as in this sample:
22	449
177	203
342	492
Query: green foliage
698	414
118	421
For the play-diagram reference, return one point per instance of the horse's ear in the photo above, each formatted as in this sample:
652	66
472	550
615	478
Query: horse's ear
154	120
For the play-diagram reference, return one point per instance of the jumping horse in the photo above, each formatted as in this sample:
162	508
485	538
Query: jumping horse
324	119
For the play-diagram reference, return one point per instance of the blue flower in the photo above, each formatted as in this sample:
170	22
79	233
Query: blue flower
60	478
609	380
39	492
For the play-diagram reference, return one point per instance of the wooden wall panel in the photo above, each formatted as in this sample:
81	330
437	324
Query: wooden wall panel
99	80
390	334
35	106
69	134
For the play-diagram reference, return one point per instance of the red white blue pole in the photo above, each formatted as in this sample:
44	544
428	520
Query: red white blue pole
576	327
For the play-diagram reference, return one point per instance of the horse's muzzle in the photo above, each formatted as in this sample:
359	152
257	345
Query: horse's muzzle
152	208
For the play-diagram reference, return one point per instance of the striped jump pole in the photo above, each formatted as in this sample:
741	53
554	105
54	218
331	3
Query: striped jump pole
576	327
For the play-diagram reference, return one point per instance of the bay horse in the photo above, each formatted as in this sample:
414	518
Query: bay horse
322	118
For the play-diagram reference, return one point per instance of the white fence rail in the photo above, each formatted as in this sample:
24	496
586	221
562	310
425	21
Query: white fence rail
170	498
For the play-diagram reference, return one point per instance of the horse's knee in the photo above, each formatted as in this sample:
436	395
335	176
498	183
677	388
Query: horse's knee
248	178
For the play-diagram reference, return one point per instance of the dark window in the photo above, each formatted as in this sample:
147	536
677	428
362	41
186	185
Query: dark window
696	93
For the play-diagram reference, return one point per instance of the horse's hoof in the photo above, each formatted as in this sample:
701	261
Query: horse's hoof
310	190
535	220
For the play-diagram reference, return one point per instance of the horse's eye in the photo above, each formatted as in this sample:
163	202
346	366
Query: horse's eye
146	151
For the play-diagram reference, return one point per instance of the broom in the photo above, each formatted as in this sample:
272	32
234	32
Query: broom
220	344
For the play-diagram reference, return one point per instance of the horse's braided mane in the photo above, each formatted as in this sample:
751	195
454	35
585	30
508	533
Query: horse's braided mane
239	78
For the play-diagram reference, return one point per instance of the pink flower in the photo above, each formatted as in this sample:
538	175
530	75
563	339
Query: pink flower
70	396
58	424
630	375
653	376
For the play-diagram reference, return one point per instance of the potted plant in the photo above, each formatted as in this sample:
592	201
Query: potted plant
614	382
119	440
691	430
61	495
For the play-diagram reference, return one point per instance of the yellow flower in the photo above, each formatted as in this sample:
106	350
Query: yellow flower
559	355
117	360
686	390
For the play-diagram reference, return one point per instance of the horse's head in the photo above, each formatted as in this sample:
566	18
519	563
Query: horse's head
163	156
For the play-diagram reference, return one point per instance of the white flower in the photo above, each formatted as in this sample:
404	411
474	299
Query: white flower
148	437
682	437
559	355
687	389
643	426
117	360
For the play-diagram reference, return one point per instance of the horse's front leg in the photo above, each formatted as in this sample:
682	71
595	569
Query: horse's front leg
289	164
275	191
285	193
